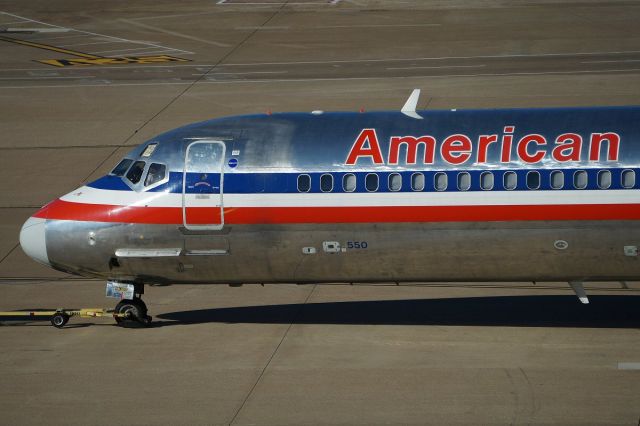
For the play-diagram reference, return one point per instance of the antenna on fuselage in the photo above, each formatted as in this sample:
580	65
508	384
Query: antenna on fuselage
409	108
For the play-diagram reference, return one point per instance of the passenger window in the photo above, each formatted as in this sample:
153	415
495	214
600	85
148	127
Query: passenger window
486	181
533	180
628	178
371	182
464	181
304	183
122	167
417	182
135	172
326	183
604	179
395	182
155	174
510	180
557	179
580	179
440	181
349	182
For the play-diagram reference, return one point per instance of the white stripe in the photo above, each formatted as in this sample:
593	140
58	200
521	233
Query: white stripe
472	198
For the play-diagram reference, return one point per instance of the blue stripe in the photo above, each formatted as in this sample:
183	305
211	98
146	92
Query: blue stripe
283	183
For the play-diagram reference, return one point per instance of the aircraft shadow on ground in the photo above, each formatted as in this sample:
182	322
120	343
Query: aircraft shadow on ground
511	311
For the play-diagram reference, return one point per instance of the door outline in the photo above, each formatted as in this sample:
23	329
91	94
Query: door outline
211	226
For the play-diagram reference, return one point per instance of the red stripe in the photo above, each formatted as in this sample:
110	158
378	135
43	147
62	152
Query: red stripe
64	210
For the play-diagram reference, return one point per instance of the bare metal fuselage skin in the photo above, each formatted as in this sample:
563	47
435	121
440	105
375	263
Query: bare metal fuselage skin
238	210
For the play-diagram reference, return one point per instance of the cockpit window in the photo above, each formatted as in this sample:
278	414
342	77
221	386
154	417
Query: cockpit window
135	172
121	167
155	174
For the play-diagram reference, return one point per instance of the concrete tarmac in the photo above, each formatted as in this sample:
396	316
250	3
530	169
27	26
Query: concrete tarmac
80	84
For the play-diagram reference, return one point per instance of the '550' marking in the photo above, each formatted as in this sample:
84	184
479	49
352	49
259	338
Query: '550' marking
357	245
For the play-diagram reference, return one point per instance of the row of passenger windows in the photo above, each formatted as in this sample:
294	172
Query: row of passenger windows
135	170
557	179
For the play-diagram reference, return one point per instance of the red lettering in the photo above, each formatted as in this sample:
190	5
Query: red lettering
568	149
483	144
507	140
613	146
523	153
366	145
456	149
412	143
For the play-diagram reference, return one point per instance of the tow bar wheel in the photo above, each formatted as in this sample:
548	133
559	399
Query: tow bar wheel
59	319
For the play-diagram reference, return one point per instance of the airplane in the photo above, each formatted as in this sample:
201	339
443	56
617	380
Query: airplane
539	195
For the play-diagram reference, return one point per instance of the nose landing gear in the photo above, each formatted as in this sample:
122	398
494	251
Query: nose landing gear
132	313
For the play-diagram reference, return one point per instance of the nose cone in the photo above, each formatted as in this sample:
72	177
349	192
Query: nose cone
32	239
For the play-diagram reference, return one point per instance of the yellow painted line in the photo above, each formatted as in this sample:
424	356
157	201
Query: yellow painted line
49	47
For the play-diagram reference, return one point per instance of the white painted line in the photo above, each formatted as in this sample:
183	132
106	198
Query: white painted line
377	26
127	67
174	33
154	52
274	3
45	77
213	74
121	50
221	1
56	38
39	30
257	27
178	15
303	80
629	366
92	43
437	58
610	62
440	67
98	35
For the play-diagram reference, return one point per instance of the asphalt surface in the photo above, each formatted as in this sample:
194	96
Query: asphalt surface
81	83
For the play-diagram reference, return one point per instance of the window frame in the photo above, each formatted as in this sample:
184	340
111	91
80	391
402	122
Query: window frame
459	176
504	180
600	173
633	173
556	172
298	183
377	182
391	175
130	160
575	175
344	179
424	181
332	182
142	173
493	180
164	179
435	181
531	173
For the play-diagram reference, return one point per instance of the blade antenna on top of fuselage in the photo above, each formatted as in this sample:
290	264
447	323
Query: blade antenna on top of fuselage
409	108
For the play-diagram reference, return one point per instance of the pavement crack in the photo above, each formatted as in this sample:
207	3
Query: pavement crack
10	251
273	354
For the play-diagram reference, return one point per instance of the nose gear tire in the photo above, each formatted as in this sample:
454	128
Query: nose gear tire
136	313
